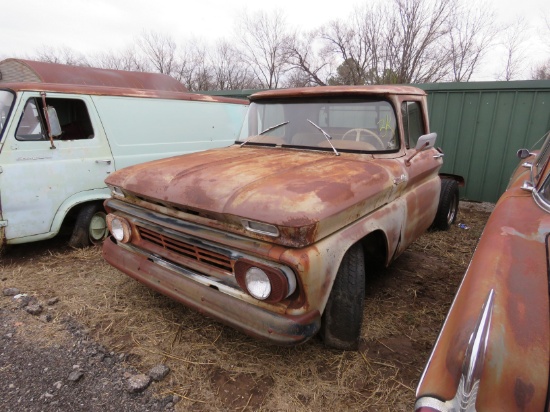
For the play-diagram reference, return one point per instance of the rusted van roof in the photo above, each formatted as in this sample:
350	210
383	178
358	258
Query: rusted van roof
27	75
28	71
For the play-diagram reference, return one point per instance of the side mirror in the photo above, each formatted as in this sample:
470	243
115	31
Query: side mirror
426	141
524	153
55	126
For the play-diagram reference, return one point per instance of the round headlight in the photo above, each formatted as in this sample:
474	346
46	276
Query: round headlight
257	283
119	228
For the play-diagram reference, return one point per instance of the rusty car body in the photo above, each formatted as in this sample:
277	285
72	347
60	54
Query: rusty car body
275	234
492	353
53	162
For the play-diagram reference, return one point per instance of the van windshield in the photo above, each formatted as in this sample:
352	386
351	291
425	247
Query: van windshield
6	100
358	125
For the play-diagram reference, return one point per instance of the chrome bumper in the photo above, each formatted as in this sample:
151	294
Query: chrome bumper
184	286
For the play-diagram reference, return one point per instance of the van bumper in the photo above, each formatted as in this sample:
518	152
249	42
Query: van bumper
241	315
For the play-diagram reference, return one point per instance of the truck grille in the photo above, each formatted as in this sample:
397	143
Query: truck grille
187	250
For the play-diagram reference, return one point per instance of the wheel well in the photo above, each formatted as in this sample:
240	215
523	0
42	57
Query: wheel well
70	217
459	179
375	247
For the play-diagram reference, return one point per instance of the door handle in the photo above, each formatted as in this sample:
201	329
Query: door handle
107	161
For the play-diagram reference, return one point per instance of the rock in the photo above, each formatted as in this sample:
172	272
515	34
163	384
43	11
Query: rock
58	385
24	301
138	383
75	376
11	292
52	301
34	309
159	372
46	318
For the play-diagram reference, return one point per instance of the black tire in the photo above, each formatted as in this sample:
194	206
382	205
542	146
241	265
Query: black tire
90	227
447	210
343	315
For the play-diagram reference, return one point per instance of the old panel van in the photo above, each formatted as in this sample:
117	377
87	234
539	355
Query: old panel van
64	129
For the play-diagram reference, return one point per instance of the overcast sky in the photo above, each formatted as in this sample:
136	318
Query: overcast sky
91	27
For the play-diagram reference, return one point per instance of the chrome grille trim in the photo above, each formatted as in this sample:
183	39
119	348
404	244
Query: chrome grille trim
186	249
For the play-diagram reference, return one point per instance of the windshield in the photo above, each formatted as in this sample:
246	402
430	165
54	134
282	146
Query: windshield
6	100
343	124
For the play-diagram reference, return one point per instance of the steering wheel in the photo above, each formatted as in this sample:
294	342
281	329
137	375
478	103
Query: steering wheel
370	136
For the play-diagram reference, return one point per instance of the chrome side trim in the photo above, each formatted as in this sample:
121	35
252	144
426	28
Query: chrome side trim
433	403
472	366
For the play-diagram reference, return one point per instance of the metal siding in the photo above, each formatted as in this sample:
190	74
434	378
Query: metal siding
480	126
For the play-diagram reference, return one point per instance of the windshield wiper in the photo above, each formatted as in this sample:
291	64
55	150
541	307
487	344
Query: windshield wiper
327	136
265	131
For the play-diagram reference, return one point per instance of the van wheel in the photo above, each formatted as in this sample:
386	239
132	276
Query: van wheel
90	227
343	315
447	210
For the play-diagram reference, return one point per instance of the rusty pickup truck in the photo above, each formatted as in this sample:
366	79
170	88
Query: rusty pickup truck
276	234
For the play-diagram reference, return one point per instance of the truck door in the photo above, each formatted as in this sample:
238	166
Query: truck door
420	177
38	181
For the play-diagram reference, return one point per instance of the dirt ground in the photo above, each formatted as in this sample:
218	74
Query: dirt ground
107	328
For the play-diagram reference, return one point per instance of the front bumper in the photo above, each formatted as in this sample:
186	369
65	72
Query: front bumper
241	315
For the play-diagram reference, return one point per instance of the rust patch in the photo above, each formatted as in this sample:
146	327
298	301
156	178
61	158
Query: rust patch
523	392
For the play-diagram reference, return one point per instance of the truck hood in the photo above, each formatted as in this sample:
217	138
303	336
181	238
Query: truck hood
305	194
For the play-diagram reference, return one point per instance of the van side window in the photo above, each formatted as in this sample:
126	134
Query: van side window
412	122
31	127
72	114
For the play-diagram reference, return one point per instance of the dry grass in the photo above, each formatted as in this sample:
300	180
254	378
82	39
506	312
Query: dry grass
216	368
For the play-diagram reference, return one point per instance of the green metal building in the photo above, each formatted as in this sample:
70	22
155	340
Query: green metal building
480	126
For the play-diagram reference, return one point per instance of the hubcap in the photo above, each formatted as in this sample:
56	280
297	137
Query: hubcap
453	209
98	227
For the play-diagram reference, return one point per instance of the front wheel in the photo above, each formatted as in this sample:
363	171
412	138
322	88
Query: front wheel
90	227
343	315
447	210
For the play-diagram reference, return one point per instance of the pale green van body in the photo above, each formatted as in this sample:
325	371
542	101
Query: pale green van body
43	180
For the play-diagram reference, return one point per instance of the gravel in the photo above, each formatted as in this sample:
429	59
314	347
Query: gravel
65	370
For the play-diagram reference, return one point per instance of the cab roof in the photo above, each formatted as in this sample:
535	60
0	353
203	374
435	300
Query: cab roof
348	91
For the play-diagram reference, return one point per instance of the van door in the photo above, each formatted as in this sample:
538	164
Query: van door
38	181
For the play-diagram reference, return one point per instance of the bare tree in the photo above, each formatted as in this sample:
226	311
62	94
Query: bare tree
128	59
514	45
471	35
159	50
191	67
62	55
399	42
311	64
541	72
229	71
264	46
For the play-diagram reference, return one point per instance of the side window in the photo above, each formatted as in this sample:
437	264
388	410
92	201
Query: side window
72	114
31	125
412	122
